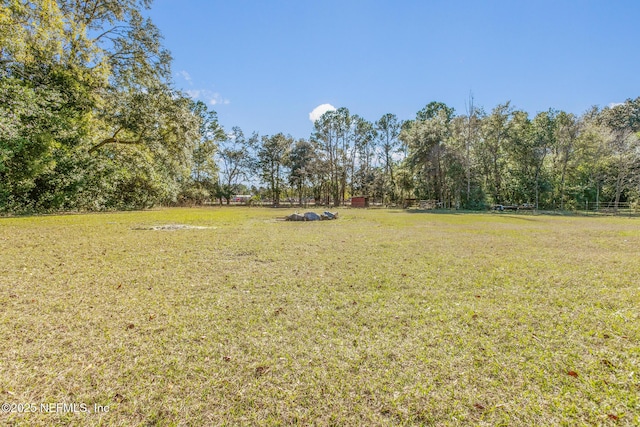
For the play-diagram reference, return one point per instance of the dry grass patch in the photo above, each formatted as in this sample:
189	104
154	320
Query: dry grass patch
378	318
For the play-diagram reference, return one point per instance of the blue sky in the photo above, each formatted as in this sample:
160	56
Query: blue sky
265	65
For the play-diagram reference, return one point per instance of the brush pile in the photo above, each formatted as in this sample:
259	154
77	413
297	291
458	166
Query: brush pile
311	216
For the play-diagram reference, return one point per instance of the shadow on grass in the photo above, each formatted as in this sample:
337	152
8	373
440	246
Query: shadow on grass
524	214
441	211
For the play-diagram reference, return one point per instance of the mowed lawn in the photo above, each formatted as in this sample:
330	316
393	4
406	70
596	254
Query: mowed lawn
383	317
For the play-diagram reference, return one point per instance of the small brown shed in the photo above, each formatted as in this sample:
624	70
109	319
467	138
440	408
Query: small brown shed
360	202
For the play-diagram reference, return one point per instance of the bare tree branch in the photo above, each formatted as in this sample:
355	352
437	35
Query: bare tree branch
115	140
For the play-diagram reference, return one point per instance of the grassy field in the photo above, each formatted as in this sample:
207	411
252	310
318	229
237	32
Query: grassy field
378	318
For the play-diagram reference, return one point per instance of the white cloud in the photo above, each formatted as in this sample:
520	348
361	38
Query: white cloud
185	75
615	104
213	98
319	111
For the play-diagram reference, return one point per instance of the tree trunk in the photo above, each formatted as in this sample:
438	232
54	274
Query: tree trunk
562	180
618	191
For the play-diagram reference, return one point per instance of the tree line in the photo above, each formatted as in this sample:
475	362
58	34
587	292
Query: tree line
554	160
90	120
